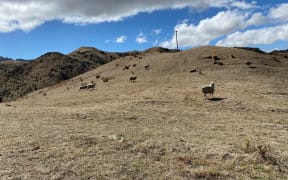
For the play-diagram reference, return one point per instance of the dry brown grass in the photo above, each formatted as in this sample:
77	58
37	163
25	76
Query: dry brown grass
157	128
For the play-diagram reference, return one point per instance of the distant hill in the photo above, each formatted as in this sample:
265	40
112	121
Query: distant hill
19	77
5	58
280	52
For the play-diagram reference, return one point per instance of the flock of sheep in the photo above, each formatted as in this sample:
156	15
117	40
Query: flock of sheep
207	89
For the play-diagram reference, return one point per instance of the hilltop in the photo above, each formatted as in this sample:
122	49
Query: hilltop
94	56
160	126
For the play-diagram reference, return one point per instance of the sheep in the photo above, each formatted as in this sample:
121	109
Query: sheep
91	86
147	67
132	78
105	79
248	63
192	70
216	58
126	67
83	87
208	89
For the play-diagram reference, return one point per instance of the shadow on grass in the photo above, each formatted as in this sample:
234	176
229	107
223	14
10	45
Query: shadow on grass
217	99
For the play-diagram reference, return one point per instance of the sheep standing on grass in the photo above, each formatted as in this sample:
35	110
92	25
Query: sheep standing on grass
208	89
132	78
105	79
83	87
147	67
91	86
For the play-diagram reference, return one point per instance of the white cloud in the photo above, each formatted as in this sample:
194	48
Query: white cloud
280	12
271	33
258	19
141	38
28	14
243	4
237	25
25	16
157	31
121	39
208	29
258	36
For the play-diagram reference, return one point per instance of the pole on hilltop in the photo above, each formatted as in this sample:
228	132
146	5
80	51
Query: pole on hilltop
176	32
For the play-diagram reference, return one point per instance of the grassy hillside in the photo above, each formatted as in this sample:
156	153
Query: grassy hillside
49	69
18	78
159	127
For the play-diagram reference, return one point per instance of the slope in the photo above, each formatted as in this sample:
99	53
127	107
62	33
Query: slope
159	127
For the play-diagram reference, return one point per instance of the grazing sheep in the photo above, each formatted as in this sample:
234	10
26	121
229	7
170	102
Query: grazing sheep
105	79
126	67
248	63
208	89
132	78
83	87
91	86
216	58
192	70
147	66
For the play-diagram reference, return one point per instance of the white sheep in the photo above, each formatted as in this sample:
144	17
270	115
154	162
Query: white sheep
83	87
208	89
91	86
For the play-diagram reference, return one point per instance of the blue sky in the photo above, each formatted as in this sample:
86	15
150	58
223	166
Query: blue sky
30	28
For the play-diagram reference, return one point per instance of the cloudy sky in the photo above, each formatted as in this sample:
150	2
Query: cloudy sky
29	28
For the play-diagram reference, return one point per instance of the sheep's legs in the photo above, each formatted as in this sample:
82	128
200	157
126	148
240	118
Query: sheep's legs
207	98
